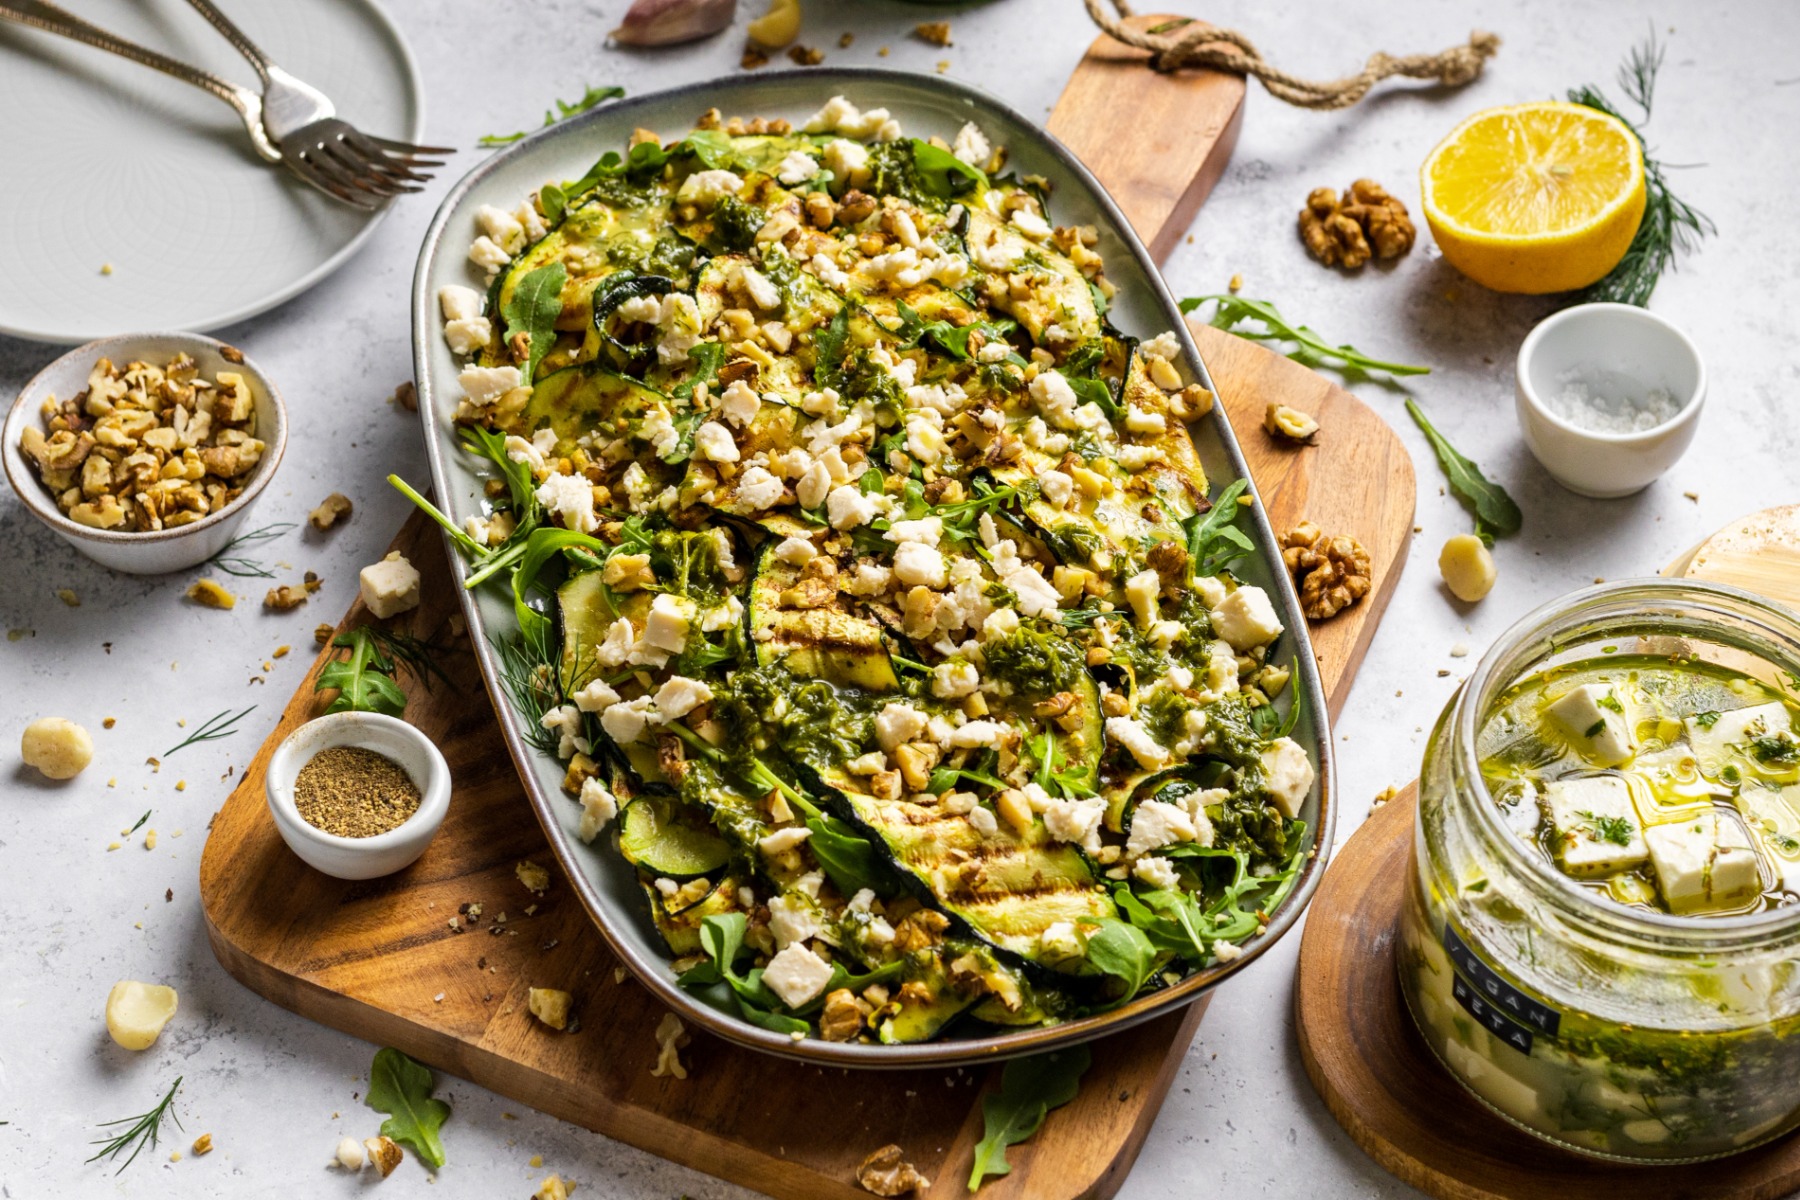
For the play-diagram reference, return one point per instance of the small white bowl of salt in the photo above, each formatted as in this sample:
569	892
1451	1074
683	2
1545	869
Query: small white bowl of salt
1609	396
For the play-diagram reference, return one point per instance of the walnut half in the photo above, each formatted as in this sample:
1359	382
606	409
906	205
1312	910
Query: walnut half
884	1174
1332	573
1366	222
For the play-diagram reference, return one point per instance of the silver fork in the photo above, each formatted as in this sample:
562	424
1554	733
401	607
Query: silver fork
291	122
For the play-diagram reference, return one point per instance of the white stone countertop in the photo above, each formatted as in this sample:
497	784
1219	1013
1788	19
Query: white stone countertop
276	1091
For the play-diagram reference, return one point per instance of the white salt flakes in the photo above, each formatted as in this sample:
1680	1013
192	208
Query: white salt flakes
1613	404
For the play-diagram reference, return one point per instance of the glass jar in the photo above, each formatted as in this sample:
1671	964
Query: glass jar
1615	1032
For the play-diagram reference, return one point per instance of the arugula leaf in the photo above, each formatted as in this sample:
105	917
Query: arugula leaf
1310	349
1214	542
1029	1089
1121	950
402	1088
364	680
849	859
943	174
532	309
1495	512
564	109
829	345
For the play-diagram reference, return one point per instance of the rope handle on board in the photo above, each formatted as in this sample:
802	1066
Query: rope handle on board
1201	45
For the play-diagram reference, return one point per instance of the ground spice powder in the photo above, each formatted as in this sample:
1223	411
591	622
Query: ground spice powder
353	792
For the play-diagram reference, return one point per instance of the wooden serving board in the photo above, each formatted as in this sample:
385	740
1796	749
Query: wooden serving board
1373	1069
380	960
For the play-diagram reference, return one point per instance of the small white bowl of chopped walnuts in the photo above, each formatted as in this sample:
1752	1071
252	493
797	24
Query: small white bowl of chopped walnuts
145	451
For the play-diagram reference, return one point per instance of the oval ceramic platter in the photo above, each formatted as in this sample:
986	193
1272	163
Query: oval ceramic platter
131	200
926	107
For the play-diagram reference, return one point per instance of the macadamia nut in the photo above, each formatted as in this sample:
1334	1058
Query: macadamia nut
350	1154
59	748
136	1012
1467	566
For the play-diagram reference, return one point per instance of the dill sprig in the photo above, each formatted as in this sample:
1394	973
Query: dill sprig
528	673
1671	226
238	564
219	725
140	823
419	657
143	1131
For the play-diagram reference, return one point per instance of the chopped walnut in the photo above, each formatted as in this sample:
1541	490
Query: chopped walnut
934	33
1366	222
806	56
334	508
406	396
842	1018
884	1174
145	447
1283	422
1332	573
287	596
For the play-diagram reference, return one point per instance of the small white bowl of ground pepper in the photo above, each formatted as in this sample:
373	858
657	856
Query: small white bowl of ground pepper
358	795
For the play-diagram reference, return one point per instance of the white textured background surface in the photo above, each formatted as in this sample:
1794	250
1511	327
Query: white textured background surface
1241	1119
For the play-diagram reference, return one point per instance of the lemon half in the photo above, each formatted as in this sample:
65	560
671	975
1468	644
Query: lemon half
1535	197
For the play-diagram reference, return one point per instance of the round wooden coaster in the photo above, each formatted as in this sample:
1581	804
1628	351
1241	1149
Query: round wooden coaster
1379	1080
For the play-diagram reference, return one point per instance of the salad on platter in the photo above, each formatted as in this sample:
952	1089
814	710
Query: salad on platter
868	582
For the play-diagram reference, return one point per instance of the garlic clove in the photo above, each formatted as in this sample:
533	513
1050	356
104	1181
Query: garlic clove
136	1012
668	22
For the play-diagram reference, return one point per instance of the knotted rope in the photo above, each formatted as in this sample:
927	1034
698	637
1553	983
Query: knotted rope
1200	45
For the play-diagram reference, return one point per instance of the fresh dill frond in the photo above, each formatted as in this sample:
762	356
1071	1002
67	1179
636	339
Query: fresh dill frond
142	1131
140	823
528	673
237	563
1671	227
219	725
419	657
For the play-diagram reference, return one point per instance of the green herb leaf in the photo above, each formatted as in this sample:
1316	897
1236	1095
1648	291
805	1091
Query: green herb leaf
242	566
1670	226
1213	540
1029	1089
564	109
219	725
1616	830
1121	950
1494	510
532	309
943	174
142	1131
364	680
402	1088
1309	348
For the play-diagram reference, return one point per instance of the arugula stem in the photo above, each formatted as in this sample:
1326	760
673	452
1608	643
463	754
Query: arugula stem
463	541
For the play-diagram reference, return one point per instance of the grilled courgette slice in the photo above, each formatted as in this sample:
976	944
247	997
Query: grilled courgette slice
664	836
806	626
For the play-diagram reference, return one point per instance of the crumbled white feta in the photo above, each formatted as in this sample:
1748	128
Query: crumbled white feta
459	303
982	821
390	587
595	696
919	565
1076	821
1136	458
791	919
797	167
758	489
760	288
679	696
847	507
667	626
570	499
1246	619
1058	487
1157	823
1130	733
896	724
565	721
1165	345
848	161
1051	392
707	188
795	551
1037	596
783	840
486	253
927	531
1158	872
991	734
1142	420
1141	592
598	806
867	580
1030	224
626	721
468	335
739	403
502	227
1289	774
712	441
484	385
972	146
954	680
1592	717
1002	622
797	975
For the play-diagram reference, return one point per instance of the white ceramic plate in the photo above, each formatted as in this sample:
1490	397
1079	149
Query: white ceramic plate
109	162
926	106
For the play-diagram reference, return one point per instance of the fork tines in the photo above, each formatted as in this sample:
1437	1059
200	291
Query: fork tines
356	167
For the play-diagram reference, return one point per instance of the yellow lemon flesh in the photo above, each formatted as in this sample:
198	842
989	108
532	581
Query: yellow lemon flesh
1535	197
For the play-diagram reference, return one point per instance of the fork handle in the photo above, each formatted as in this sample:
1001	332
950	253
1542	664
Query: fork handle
48	18
242	44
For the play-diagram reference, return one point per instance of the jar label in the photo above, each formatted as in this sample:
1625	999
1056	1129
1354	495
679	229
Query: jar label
1502	1009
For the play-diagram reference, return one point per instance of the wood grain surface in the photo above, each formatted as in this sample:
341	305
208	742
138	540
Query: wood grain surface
380	960
1760	553
1158	142
1378	1078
